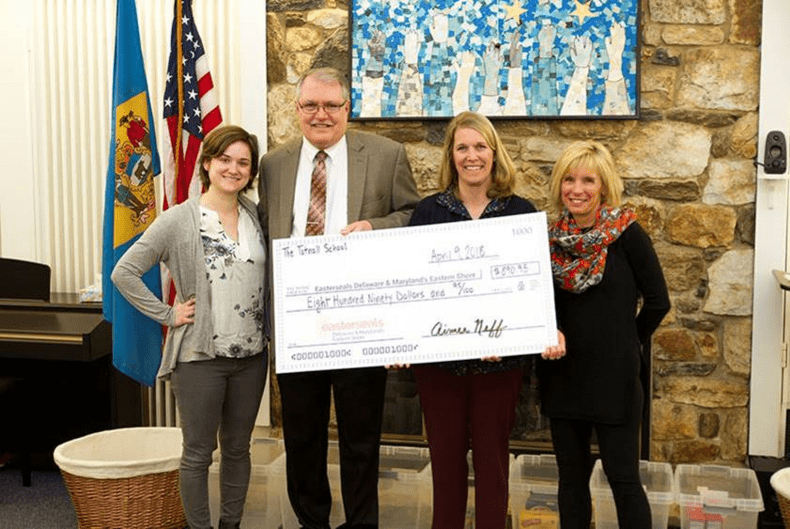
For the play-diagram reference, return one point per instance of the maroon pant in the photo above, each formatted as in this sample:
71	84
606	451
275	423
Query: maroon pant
457	410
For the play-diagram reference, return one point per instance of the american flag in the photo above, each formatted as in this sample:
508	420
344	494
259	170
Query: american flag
190	106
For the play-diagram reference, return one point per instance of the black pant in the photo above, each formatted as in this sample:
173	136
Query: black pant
359	405
619	448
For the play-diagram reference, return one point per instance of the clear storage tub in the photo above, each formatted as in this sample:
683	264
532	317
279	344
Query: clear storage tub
717	497
534	481
657	480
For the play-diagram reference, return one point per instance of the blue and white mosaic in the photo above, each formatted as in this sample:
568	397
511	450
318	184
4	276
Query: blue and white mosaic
437	58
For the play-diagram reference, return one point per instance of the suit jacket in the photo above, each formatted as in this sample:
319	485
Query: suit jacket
380	189
380	186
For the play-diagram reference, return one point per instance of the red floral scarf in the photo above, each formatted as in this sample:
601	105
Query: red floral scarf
578	256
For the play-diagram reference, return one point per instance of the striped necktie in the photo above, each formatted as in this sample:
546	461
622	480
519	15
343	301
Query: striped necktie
316	214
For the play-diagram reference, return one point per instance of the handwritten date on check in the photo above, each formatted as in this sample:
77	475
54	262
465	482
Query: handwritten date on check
455	291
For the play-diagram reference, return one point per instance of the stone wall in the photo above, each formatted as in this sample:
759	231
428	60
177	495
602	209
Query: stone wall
688	165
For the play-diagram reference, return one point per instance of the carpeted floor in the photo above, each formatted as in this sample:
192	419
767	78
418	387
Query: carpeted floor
44	505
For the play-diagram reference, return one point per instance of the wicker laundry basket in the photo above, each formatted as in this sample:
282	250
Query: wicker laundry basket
780	481
124	478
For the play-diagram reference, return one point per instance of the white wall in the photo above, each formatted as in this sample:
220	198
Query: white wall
17	199
57	60
38	221
769	378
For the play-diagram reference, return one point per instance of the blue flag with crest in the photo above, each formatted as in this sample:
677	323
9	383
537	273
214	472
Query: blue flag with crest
130	201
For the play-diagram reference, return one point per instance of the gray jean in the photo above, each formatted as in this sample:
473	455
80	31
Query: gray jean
220	395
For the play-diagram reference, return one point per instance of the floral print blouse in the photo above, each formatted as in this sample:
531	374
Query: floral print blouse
236	272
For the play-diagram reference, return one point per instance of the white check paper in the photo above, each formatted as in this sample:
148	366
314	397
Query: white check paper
413	295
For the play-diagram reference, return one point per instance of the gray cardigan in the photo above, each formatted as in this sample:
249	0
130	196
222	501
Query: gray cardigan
174	239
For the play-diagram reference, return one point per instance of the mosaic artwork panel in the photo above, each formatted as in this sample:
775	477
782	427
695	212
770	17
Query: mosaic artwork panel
521	58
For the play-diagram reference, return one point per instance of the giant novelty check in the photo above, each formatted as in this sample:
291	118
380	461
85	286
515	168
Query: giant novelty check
412	295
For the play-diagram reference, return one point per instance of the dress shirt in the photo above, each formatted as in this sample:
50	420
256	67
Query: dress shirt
336	188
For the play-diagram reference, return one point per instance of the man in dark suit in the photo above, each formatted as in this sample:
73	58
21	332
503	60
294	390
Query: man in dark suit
366	184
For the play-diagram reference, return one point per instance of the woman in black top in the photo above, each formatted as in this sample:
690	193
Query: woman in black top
603	264
471	399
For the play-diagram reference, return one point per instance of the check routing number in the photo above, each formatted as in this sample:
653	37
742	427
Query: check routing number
412	295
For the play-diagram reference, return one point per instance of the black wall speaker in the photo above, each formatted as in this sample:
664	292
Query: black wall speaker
775	153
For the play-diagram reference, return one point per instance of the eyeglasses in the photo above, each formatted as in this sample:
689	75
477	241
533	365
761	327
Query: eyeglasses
329	108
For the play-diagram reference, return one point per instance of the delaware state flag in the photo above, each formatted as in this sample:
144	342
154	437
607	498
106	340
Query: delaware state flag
130	201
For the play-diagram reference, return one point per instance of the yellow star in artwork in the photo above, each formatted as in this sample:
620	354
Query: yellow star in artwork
514	11
582	11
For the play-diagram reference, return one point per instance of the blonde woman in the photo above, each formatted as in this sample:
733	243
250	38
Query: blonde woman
603	265
471	403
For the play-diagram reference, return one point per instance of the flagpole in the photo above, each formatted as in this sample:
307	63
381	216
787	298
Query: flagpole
180	69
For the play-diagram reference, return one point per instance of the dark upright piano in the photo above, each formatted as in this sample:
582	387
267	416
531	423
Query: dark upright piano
60	329
62	349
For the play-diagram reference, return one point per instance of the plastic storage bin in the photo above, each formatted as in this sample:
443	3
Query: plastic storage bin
717	497
404	479
470	499
124	478
657	480
534	481
264	505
